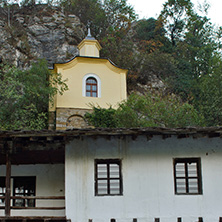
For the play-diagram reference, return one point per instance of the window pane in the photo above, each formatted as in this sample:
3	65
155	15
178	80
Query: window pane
19	190
91	81
102	187
114	170
91	85
24	186
181	185
192	169
180	169
114	187
19	203
193	185
94	88
108	177
102	171
188	178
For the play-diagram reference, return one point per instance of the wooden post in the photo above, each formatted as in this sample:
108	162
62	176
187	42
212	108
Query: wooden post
8	186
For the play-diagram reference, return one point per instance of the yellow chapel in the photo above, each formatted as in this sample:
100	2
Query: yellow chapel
91	80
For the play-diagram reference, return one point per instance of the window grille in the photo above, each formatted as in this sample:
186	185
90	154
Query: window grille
108	178
187	175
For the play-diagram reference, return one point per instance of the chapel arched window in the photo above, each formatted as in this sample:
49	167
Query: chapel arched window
91	87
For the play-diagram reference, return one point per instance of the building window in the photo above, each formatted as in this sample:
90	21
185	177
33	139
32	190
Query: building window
108	177
2	190
91	87
24	186
187	175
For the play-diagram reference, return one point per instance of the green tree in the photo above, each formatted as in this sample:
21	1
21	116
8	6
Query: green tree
105	17
202	43
158	64
150	36
145	29
119	14
195	42
209	100
154	110
101	117
89	11
151	110
175	16
25	95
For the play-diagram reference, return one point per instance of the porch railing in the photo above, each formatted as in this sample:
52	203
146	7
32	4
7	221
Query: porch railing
33	198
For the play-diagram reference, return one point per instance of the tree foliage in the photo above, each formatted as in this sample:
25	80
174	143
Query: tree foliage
101	117
175	15
25	95
119	14
104	17
209	99
150	110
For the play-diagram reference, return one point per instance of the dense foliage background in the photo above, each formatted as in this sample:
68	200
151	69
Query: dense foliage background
182	48
25	96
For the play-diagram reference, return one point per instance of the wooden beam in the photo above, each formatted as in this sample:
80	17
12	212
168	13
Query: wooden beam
38	197
8	185
38	208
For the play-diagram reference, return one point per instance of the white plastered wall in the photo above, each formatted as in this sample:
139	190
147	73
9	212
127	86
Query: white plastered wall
49	182
148	180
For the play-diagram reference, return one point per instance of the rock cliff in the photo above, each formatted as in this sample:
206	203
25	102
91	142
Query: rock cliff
41	32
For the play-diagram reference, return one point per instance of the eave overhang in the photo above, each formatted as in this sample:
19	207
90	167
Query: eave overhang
35	147
85	58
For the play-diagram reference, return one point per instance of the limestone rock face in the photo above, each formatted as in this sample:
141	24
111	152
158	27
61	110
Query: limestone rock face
27	34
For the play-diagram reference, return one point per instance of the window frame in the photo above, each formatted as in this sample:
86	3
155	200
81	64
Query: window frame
108	178
91	75
26	202
91	91
3	186
186	161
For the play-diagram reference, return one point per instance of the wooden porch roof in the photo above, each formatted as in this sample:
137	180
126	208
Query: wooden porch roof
47	136
30	147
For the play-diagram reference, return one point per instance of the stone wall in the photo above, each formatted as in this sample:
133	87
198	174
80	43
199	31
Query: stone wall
69	118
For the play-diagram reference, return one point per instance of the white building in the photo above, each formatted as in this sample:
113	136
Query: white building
116	175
